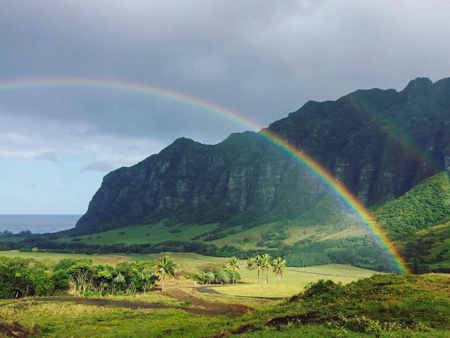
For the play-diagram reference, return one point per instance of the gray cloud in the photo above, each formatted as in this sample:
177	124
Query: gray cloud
262	59
101	166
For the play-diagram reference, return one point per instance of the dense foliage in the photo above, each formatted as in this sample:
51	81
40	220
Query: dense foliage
24	277
28	277
425	205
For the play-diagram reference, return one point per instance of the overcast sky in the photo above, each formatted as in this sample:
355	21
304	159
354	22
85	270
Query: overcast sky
260	59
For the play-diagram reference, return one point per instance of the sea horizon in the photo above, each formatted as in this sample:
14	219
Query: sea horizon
37	223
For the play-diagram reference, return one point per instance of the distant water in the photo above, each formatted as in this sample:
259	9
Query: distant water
37	224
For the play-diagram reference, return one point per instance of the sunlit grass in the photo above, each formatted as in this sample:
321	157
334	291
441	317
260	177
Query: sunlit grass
64	319
293	281
144	234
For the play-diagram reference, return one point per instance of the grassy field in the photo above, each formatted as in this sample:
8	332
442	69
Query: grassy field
379	306
142	234
293	281
245	239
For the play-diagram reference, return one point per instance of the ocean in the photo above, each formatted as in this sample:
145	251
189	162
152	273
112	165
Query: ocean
37	224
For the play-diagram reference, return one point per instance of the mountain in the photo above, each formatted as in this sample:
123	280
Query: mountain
378	143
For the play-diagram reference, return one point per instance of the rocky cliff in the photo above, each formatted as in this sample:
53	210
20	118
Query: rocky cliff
379	143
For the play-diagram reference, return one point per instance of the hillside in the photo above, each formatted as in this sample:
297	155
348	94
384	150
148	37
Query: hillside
379	143
424	206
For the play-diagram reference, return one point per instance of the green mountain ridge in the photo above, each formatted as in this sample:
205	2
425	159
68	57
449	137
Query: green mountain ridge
378	143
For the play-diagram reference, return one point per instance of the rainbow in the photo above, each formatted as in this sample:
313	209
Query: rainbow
307	161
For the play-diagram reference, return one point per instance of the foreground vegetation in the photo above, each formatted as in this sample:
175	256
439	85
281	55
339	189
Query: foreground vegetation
324	301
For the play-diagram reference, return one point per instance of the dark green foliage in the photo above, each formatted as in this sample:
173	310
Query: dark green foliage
358	251
218	275
421	208
323	289
23	277
425	205
307	259
28	277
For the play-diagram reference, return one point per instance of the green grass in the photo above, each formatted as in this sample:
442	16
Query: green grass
297	233
143	234
293	281
244	239
66	319
380	306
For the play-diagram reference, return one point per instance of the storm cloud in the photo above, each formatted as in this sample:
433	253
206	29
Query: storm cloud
260	59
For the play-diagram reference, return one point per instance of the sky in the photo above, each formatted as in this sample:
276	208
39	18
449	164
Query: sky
71	111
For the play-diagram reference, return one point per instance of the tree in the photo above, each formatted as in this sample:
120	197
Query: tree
251	264
259	264
148	278
233	265
81	277
103	276
164	267
266	264
278	267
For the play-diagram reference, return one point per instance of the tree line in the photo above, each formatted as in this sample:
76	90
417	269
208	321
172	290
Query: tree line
21	277
229	274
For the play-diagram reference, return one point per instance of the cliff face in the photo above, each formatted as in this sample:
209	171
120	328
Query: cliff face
379	143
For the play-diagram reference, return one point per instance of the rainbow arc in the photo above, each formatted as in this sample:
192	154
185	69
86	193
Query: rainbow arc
304	159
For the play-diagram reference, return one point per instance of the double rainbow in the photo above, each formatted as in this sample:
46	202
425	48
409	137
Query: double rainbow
307	161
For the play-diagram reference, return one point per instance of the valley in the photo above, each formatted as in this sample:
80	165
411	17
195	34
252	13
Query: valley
327	300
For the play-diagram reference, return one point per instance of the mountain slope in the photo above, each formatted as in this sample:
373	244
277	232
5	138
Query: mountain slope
379	143
424	206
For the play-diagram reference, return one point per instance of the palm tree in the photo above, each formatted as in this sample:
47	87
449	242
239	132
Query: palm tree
259	264
164	267
278	267
233	265
266	264
251	264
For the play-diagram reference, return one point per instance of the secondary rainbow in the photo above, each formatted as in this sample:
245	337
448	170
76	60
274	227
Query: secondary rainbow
339	189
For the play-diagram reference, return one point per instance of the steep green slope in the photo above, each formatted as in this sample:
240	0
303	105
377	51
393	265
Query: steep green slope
424	206
419	222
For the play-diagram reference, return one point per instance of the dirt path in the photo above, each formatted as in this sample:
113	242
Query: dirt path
106	302
204	307
209	290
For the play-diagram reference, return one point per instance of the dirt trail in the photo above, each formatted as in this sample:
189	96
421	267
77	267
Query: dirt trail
106	302
204	307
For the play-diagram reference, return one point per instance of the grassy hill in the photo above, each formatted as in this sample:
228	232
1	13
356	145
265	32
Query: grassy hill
383	305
